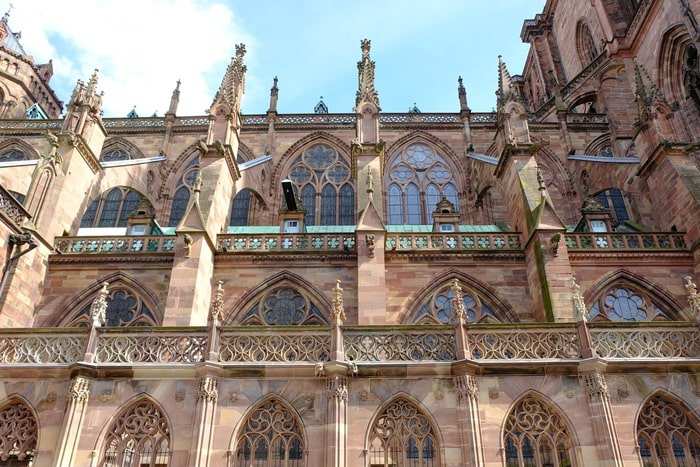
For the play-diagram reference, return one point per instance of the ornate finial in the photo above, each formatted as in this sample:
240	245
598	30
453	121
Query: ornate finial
365	45
577	299
92	83
459	80
338	311
240	50
232	85
217	305
177	84
693	296
98	309
458	310
6	16
274	85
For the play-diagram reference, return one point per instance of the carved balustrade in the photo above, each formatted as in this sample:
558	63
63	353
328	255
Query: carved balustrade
42	346
587	118
615	241
649	340
115	245
286	243
414	343
11	208
154	345
524	342
276	344
452	241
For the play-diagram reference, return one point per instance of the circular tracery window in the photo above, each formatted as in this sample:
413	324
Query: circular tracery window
284	306
437	308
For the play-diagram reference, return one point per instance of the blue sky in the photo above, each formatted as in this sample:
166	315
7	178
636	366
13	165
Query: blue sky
143	46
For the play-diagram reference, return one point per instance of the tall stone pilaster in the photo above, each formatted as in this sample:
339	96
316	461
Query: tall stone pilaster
207	398
73	418
468	420
336	420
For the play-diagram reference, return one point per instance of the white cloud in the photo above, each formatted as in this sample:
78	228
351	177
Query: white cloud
141	48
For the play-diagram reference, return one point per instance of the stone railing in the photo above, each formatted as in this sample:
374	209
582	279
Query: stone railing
452	241
379	344
489	344
11	208
156	345
114	245
26	124
148	122
647	340
42	346
286	243
524	343
277	344
393	118
587	119
614	241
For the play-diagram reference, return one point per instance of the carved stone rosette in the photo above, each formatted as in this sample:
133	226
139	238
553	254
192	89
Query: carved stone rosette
79	390
207	389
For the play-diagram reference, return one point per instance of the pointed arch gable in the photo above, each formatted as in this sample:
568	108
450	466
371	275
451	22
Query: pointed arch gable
670	63
280	279
118	142
624	276
100	443
313	138
95	204
23	146
238	429
115	280
29	419
421	409
504	309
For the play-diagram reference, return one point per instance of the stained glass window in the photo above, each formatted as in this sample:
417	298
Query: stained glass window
240	208
437	307
625	302
124	308
183	192
418	178
322	177
614	199
12	155
668	433
116	154
532	430
111	209
283	306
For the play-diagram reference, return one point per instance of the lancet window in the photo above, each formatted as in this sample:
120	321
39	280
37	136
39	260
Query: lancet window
625	302
284	306
536	435
139	437
12	154
587	49
402	435
272	436
18	434
111	209
614	199
418	177
322	178
243	208
183	191
124	308
668	434
437	307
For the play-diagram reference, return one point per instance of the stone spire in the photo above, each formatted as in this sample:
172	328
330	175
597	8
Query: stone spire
274	91
505	83
462	93
174	99
84	102
232	85
366	93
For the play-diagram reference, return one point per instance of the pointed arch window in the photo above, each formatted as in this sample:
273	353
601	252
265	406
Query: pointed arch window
436	308
111	209
116	154
285	306
403	435
139	437
124	308
615	200
536	435
668	433
272	436
12	154
586	46
18	434
241	208
183	192
321	172
418	178
623	301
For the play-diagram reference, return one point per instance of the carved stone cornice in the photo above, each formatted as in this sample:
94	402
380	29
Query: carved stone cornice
79	390
207	389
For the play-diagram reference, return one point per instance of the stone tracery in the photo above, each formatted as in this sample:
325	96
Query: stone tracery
18	432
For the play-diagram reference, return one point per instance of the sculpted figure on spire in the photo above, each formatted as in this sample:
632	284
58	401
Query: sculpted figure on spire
365	78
